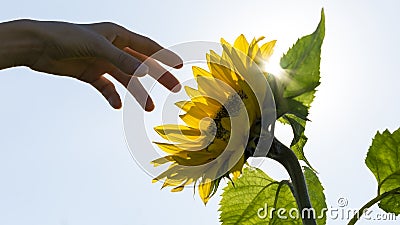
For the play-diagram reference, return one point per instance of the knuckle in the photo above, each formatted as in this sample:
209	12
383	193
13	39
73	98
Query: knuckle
115	28
108	24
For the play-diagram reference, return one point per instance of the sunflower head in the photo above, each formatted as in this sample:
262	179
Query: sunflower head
222	119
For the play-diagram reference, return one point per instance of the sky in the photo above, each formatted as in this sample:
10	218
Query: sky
64	154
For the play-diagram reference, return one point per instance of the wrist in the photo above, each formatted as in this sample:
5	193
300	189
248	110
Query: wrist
20	44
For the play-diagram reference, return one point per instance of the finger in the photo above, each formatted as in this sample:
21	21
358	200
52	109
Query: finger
107	89
156	71
140	94
120	76
135	88
122	60
147	47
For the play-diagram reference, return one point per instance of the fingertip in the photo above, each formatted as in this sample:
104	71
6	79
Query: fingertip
141	70
177	88
149	105
176	61
178	66
169	58
115	102
168	80
118	106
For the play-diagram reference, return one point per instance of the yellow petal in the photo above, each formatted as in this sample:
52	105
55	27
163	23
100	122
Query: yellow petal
196	159
207	105
179	148
223	42
180	188
191	92
267	49
211	88
160	161
241	44
213	57
226	49
241	47
172	182
223	71
177	189
190	120
254	50
197	112
177	133
168	148
197	71
250	101
184	105
176	128
196	118
171	170
212	104
238	60
213	62
205	189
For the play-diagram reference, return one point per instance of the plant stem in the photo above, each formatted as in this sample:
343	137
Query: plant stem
371	203
288	159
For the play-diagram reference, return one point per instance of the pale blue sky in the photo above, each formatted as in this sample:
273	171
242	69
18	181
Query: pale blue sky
63	156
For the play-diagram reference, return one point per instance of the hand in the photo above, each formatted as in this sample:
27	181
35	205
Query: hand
88	51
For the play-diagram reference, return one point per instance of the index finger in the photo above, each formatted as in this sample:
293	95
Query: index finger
156	71
148	47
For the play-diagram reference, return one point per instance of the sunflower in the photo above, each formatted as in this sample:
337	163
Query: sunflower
222	115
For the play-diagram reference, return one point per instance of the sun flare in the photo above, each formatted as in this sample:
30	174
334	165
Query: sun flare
272	66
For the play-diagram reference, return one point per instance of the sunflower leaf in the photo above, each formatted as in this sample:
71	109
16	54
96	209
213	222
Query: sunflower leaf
383	159
299	138
302	63
256	198
317	196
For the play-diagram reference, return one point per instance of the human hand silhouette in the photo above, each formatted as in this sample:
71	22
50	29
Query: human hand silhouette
87	52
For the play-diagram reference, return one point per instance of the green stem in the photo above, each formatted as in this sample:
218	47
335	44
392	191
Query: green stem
371	203
288	159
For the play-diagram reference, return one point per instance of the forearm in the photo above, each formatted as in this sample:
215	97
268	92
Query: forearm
19	43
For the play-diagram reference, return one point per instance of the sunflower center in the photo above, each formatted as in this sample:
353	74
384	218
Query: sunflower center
230	108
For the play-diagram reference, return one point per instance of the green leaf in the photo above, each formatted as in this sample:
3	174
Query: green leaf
255	198
297	108
302	63
299	139
383	159
316	192
253	194
391	203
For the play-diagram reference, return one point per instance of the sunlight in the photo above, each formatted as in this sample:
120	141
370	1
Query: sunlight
273	67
